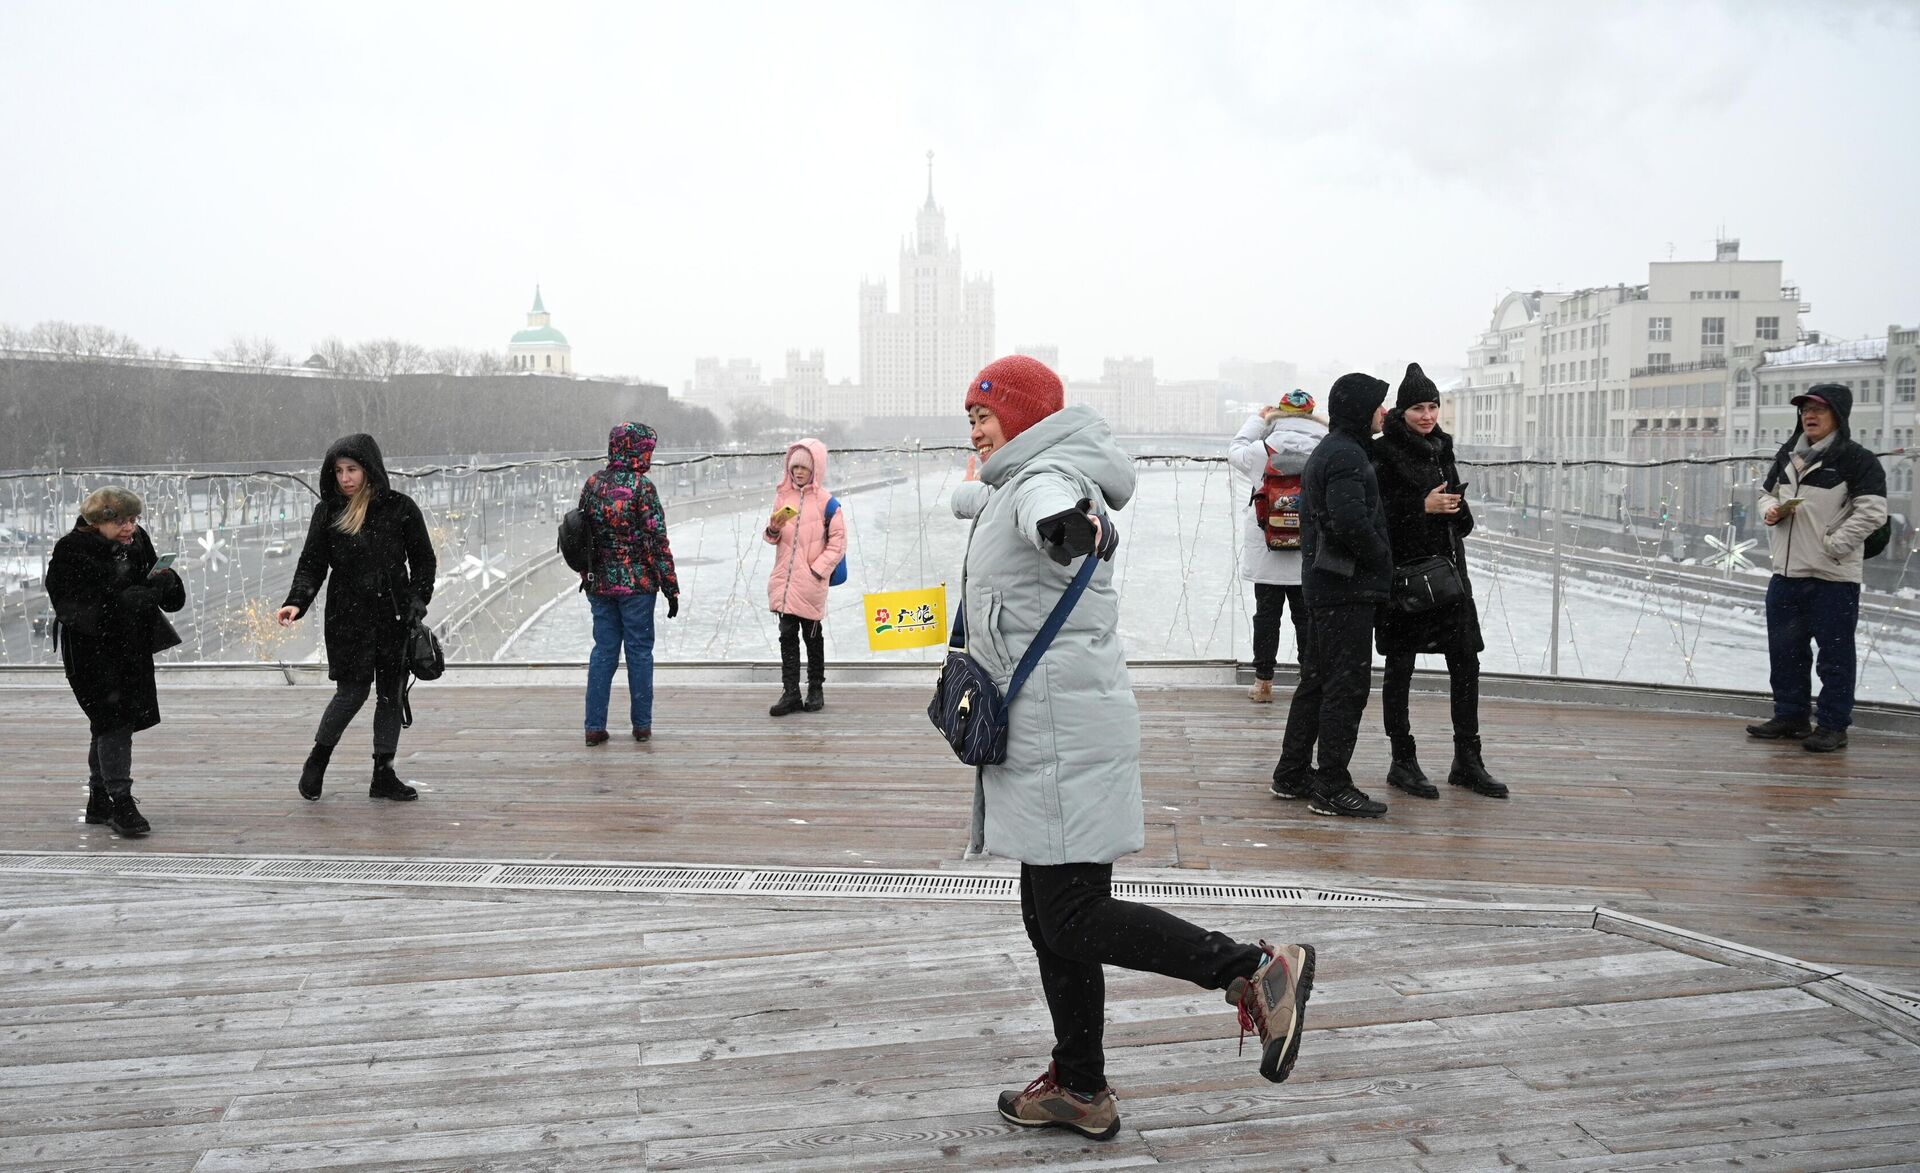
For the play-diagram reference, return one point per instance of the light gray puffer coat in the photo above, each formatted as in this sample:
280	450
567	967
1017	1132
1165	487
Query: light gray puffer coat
1069	791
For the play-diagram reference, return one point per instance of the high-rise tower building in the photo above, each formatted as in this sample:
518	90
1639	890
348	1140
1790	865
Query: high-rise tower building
916	361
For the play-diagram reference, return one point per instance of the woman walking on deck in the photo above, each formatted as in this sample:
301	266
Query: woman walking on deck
368	543
107	597
632	568
1427	517
1066	800
809	535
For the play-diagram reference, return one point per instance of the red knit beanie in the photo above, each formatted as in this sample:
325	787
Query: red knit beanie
1021	391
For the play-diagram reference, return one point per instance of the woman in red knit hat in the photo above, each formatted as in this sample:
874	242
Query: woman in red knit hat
1066	801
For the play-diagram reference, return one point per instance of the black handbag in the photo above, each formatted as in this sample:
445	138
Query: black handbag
164	636
1425	584
966	708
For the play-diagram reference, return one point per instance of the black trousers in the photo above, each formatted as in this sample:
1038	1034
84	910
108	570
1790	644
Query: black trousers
1076	927
1268	601
793	630
1335	677
110	761
1463	688
350	695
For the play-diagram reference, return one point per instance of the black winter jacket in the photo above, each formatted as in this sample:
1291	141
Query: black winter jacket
1344	544
105	601
380	578
1410	466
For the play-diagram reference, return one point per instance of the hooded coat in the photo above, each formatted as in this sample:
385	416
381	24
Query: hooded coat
1409	466
808	547
631	555
1069	790
1284	444
378	579
1845	493
1344	541
106	603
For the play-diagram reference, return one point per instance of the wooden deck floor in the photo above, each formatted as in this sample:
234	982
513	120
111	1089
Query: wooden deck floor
1680	818
209	1025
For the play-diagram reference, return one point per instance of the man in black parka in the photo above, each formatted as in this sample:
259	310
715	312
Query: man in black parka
1348	573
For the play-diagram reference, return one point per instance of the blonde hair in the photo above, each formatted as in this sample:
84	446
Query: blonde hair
355	514
111	504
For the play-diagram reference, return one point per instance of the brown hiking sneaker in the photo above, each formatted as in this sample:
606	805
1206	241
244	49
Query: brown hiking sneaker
1273	1004
1261	693
1045	1104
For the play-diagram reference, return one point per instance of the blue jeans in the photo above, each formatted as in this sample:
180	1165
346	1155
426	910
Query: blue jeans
618	620
1800	610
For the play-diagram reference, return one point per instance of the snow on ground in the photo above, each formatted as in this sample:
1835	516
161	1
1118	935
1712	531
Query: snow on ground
1181	596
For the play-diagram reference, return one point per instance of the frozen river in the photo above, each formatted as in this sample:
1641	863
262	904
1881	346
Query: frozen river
1182	596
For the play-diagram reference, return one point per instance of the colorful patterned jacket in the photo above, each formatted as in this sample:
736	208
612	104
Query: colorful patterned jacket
630	551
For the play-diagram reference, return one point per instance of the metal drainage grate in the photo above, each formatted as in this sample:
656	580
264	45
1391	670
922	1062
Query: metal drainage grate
614	877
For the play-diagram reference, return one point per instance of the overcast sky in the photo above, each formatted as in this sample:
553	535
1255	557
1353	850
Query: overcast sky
1341	184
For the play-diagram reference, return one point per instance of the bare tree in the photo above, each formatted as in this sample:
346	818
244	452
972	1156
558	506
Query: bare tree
257	352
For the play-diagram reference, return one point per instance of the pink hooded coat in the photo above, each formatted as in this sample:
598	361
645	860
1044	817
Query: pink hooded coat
806	549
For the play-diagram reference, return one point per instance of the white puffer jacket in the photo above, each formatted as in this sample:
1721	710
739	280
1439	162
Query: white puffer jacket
1287	442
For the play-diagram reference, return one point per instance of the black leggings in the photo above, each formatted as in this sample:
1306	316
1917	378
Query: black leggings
1463	684
1076	926
793	632
349	695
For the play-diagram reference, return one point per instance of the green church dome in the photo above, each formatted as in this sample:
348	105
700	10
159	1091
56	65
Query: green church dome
540	334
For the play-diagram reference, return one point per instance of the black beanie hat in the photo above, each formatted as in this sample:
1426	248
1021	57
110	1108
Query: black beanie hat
1415	387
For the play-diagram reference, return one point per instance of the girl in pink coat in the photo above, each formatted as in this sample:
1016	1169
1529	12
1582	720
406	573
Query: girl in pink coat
807	545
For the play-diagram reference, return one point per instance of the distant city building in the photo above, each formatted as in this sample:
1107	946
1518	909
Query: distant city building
1624	372
723	386
540	347
1262	381
1045	352
916	361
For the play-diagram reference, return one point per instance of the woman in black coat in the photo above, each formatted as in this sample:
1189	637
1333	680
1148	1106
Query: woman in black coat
373	541
108	598
1427	514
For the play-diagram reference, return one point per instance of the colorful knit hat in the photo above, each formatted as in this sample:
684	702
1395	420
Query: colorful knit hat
1021	391
1296	402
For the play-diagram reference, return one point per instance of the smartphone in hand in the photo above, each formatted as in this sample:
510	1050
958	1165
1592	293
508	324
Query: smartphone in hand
164	562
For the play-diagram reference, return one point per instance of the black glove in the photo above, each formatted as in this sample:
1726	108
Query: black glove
140	596
416	610
673	606
1109	540
1069	533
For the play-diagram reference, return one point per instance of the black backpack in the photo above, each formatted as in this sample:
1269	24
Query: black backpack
576	541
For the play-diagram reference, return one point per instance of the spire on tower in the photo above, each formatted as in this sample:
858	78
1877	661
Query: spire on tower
538	308
930	179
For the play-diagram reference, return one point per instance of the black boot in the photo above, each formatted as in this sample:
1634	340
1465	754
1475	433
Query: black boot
816	700
125	819
1469	771
387	784
789	701
99	806
1406	774
314	772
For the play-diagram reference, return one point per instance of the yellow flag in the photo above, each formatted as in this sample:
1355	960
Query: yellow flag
907	619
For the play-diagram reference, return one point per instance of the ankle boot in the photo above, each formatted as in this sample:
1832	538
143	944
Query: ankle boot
1469	771
1405	773
387	784
816	700
314	772
125	819
789	702
99	806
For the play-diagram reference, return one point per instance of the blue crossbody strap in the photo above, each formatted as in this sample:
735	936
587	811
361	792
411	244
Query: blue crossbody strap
1055	621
